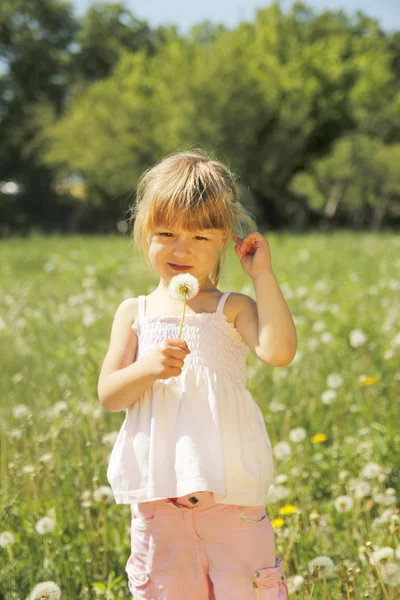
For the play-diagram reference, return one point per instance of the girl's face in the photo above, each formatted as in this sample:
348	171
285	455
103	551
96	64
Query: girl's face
197	252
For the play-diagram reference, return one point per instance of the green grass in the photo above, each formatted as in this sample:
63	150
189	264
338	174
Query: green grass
58	299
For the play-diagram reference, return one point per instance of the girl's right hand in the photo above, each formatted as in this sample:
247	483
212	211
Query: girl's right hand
167	360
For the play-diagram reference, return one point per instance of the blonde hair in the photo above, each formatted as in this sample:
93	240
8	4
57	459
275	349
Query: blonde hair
192	191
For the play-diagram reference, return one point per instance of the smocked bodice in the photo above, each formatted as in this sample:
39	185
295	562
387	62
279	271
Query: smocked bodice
214	342
201	430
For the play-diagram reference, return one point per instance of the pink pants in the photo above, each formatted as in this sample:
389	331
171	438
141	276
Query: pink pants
203	551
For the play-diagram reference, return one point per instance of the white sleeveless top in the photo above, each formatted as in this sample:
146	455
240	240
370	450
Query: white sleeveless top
199	431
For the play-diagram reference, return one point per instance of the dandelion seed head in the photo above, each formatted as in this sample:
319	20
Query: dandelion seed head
334	380
6	539
326	567
45	525
183	286
344	503
47	590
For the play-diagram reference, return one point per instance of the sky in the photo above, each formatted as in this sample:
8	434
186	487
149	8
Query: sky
230	12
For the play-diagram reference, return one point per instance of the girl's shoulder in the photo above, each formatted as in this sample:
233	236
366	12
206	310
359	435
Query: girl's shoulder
129	308
238	305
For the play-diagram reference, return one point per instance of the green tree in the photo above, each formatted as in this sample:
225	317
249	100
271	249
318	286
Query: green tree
358	183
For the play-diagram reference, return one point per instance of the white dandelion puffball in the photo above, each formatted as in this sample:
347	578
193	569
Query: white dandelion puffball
21	411
6	539
103	494
381	554
47	590
371	471
298	434
276	493
183	286
360	488
295	583
45	525
344	503
282	450
390	574
327	568
334	380
328	397
357	338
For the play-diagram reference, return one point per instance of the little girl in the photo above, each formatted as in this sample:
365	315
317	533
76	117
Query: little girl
193	457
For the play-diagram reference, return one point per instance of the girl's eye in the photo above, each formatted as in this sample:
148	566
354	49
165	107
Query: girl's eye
168	234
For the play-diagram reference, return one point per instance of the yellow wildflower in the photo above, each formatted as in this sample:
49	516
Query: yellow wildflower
288	509
318	437
277	523
367	380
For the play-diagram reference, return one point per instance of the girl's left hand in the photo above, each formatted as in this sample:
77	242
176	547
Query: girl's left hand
254	253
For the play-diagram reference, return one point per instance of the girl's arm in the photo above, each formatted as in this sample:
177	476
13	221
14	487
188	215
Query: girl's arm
266	325
123	380
277	339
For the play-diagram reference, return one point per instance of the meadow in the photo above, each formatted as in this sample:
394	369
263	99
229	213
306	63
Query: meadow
332	415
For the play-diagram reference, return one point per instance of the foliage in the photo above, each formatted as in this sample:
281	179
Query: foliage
59	300
273	98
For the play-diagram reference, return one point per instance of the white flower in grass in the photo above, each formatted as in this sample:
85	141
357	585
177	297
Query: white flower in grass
298	434
343	503
318	326
388	516
360	488
328	397
28	469
276	493
327	568
6	539
109	438
384	499
86	501
45	525
276	406
295	583
15	434
381	555
46	457
395	343
391	574
47	590
312	343
282	478
282	450
334	380
21	411
183	287
326	337
371	471
357	338
103	493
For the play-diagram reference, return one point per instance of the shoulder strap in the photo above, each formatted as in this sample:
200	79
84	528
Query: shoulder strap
222	300
142	306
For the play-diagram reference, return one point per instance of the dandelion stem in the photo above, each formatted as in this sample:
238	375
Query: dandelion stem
381	582
183	316
326	591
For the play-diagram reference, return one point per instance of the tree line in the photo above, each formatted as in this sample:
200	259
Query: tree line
304	107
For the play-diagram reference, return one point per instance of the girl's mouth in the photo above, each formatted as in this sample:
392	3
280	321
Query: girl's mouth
179	268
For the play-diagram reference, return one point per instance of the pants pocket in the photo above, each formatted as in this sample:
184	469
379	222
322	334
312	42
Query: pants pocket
143	516
139	582
252	514
270	583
